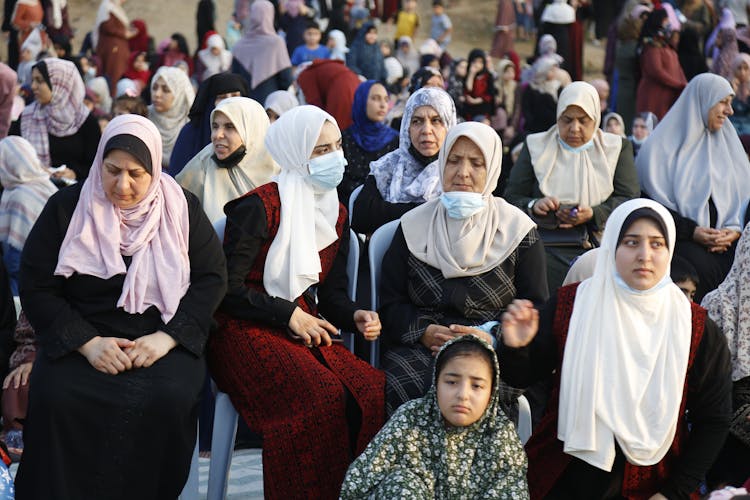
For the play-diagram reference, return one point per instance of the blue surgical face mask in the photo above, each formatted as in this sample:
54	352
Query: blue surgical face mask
327	171
461	205
579	149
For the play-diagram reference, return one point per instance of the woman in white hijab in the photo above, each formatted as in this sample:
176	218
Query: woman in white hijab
694	164
455	263
571	177
214	59
638	364
279	102
282	364
236	161
409	175
172	95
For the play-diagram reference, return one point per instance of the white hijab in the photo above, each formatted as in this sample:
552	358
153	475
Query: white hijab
308	215
683	164
215	64
215	185
559	12
625	359
171	121
106	8
477	244
584	177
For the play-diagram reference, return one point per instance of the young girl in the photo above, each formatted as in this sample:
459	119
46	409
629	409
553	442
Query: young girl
454	442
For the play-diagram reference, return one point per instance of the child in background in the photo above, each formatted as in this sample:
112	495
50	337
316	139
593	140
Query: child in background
407	20
234	31
129	105
312	49
441	28
685	276
614	124
454	442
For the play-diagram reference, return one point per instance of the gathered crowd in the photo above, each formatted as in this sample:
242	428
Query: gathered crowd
175	223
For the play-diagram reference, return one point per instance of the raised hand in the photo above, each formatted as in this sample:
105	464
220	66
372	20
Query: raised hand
520	323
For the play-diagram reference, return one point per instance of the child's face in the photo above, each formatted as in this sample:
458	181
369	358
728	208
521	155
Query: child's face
437	9
140	63
461	69
26	55
410	6
688	288
59	50
640	130
509	73
614	127
312	37
385	48
464	388
371	36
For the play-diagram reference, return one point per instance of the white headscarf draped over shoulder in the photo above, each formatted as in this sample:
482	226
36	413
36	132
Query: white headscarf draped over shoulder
216	185
171	121
683	164
477	244
399	176
559	12
154	232
308	214
625	358
585	176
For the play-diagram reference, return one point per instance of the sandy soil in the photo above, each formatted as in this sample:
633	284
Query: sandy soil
473	22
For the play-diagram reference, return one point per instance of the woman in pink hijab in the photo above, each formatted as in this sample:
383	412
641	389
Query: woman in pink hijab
120	277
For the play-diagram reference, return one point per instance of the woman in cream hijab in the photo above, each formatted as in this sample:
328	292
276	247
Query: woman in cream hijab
571	177
172	95
281	363
236	161
638	363
455	263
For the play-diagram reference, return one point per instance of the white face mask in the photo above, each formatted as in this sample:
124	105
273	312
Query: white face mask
327	171
462	205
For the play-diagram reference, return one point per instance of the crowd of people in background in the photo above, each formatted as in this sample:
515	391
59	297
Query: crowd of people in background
556	238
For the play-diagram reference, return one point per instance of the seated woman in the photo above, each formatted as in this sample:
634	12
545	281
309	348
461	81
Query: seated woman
571	177
693	164
172	96
422	451
455	263
119	278
409	175
196	134
314	403
235	162
727	306
58	124
368	138
617	422
26	188
643	125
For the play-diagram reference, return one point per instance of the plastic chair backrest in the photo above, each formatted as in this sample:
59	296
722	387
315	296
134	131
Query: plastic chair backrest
379	243
353	197
219	226
524	419
352	265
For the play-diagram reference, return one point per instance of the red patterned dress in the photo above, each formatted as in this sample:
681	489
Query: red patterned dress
315	407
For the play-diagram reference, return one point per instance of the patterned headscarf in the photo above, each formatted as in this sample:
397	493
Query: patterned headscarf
26	190
415	455
63	115
399	176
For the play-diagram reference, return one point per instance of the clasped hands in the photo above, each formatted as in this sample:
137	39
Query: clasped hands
715	240
313	331
114	355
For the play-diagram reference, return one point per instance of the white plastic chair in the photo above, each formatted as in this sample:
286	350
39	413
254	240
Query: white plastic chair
379	243
353	197
524	419
190	490
352	270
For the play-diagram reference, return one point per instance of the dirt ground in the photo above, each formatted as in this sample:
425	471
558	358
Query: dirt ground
472	19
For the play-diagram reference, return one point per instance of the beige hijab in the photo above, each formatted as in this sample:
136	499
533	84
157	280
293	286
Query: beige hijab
476	244
583	176
215	185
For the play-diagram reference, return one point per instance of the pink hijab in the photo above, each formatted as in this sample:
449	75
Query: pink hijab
154	232
261	51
